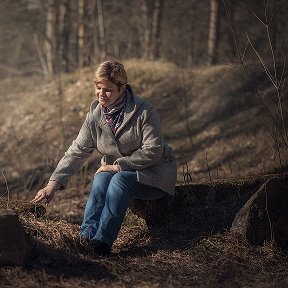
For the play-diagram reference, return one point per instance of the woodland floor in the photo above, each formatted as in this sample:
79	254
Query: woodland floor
163	256
214	137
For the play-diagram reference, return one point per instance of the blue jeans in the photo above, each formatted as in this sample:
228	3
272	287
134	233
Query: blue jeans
108	202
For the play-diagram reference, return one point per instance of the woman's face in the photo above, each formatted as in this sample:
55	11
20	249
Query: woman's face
107	93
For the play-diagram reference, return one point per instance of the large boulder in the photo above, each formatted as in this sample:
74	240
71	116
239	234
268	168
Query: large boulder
264	217
15	244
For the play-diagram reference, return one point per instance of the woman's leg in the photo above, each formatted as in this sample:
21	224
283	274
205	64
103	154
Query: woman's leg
95	204
122	188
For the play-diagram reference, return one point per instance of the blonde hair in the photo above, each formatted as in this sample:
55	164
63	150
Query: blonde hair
112	71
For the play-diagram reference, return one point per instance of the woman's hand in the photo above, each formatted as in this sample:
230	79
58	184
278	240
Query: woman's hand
46	193
108	168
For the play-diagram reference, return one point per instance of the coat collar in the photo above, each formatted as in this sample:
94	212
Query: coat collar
132	105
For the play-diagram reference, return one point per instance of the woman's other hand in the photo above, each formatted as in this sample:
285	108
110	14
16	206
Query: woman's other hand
46	194
108	168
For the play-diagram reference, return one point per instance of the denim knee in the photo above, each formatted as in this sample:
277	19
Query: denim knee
101	182
124	178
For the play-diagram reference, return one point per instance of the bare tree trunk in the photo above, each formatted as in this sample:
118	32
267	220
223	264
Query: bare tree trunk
40	54
60	35
231	11
72	37
146	16
49	41
213	32
192	15
80	34
89	33
94	33
101	29
156	31
66	38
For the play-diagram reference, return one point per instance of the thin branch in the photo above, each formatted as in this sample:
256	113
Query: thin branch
272	15
232	30
246	72
283	75
265	11
280	104
264	125
7	188
276	151
210	178
284	92
273	54
187	178
245	48
254	13
268	73
268	216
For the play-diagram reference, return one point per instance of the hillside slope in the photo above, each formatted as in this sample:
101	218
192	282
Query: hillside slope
206	115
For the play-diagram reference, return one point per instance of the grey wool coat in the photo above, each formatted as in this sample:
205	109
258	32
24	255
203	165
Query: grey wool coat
137	145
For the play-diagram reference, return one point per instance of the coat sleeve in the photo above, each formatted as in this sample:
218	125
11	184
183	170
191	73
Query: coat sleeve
151	149
75	156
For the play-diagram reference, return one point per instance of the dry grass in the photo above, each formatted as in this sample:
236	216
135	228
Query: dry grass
203	111
144	75
202	114
142	257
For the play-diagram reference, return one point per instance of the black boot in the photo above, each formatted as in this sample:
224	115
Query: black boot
100	248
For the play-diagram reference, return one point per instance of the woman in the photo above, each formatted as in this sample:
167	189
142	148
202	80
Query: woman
136	164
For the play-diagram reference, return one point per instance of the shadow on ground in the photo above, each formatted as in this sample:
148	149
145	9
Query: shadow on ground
67	264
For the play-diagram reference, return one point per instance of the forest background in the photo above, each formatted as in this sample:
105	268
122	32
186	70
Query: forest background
211	60
48	37
164	40
215	71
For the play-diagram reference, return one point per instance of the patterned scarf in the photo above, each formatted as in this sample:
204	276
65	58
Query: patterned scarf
114	116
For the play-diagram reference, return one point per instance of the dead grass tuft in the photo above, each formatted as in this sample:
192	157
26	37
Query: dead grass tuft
57	234
144	257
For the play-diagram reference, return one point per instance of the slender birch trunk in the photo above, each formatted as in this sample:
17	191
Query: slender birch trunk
156	29
80	34
213	32
101	29
50	34
146	24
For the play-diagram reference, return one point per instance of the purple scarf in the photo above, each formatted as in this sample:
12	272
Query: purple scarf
114	116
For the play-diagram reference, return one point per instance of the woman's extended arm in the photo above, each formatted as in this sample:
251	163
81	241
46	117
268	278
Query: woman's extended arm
77	153
47	193
69	165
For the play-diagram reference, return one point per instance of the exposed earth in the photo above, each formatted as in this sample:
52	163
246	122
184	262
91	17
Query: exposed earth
218	128
211	116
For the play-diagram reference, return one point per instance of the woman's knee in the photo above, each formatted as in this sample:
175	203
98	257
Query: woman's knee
122	182
101	182
102	178
124	178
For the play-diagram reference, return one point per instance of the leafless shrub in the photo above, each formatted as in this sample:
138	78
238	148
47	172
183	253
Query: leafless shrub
187	178
277	74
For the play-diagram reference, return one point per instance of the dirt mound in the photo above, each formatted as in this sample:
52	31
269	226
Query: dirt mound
216	122
206	115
